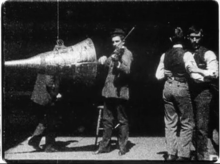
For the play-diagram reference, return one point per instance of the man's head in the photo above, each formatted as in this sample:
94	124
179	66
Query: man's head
178	36
194	36
118	38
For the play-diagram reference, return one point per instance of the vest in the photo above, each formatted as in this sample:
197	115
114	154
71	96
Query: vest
173	61
199	57
45	89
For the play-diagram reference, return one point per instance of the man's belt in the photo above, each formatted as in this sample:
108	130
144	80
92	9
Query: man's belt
180	79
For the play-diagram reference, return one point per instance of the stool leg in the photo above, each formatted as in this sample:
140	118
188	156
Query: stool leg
98	126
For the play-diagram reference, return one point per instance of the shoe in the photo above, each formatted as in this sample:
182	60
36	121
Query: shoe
171	157
34	142
102	150
193	158
120	153
50	149
182	159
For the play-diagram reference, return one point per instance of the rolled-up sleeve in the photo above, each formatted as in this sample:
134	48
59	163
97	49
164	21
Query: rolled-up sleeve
212	64
190	62
160	68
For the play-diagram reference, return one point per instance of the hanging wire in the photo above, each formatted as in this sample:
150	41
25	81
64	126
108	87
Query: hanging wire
58	20
59	42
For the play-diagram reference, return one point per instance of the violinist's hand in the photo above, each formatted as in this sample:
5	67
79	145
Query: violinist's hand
58	97
102	60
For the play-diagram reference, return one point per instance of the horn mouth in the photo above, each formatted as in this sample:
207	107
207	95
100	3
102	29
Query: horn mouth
24	63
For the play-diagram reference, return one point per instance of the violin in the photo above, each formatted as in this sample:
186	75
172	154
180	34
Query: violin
117	54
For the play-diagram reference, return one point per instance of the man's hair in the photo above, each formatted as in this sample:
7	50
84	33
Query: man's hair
194	29
177	35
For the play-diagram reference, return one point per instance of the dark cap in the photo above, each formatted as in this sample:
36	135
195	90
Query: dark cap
118	31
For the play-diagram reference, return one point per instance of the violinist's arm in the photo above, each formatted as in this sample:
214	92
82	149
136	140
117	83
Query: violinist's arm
108	61
125	64
103	60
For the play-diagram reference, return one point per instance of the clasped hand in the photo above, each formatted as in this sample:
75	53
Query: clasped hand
192	69
205	73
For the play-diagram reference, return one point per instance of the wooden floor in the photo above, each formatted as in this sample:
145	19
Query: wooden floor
82	148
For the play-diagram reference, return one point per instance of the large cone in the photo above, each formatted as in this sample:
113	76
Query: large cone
78	61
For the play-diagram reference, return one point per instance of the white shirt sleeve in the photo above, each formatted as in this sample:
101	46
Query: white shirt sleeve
160	69
212	64
190	62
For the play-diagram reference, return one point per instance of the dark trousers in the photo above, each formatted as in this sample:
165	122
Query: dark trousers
178	118
214	119
202	99
114	113
48	124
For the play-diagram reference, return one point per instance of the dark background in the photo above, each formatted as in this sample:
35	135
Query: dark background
30	28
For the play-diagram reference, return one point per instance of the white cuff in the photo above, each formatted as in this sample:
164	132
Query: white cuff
119	64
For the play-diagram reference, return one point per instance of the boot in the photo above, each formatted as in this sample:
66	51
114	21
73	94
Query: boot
105	144
34	141
122	139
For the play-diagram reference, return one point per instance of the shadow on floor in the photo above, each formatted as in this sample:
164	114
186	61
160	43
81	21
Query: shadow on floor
62	146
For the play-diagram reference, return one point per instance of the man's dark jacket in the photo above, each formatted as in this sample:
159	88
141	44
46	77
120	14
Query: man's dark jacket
45	89
117	81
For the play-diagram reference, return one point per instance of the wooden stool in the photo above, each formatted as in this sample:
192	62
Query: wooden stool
98	127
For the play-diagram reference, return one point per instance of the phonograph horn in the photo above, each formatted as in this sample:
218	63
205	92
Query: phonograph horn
74	61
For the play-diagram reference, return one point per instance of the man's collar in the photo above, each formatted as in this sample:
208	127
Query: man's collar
177	46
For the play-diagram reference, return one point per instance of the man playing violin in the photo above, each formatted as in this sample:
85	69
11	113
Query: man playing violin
116	93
